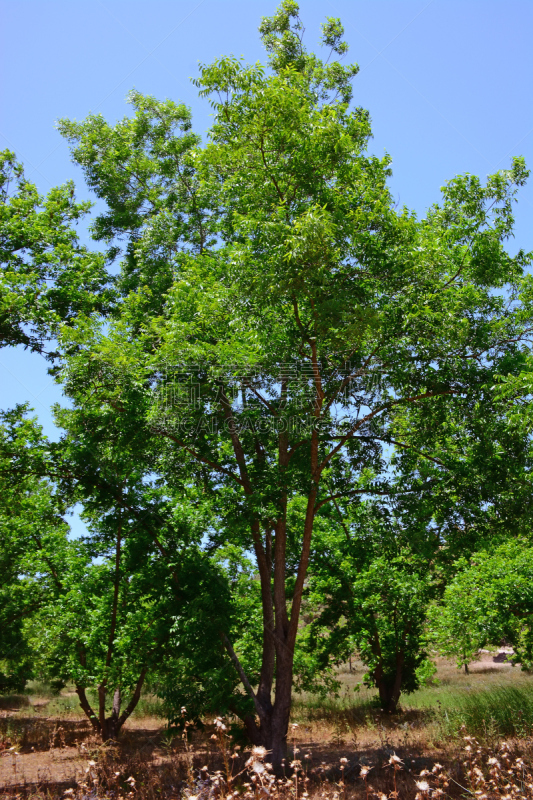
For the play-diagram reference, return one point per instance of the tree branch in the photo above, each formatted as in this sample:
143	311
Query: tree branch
242	675
373	414
196	455
134	700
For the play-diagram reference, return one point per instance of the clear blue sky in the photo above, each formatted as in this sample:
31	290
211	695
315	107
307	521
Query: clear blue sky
448	86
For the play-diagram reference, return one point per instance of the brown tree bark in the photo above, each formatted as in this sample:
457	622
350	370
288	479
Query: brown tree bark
110	727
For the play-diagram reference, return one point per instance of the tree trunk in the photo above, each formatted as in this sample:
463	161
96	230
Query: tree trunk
279	626
109	727
269	728
272	730
390	691
279	640
282	709
87	709
388	698
113	724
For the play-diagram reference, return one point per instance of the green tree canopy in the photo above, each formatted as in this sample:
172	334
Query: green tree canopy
33	540
489	600
46	276
278	312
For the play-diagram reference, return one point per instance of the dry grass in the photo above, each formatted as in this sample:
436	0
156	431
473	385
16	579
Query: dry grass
116	772
57	753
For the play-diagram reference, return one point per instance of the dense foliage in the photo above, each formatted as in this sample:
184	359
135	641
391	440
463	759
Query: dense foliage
47	277
489	600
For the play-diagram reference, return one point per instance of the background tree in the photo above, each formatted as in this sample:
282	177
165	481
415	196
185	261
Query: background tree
490	599
33	540
134	597
154	604
376	567
46	276
126	616
369	589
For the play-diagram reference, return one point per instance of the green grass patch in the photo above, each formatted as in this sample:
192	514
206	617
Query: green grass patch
351	708
10	702
492	712
487	713
150	706
44	688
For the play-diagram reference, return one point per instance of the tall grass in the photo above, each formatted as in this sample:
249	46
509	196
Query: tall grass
355	709
150	706
489	713
10	702
43	689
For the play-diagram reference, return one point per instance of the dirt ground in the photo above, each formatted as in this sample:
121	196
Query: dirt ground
59	749
40	748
